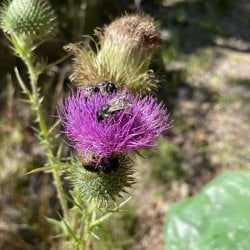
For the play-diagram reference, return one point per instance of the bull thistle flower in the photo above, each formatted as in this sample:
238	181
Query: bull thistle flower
129	129
103	128
126	48
28	20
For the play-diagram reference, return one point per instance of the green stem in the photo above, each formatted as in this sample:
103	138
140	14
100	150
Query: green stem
100	220
61	197
45	140
33	74
85	231
25	53
86	239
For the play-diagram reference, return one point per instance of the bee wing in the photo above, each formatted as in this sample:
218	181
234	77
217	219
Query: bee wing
117	104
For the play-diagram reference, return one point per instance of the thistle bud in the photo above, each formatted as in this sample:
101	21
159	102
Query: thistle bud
28	19
98	187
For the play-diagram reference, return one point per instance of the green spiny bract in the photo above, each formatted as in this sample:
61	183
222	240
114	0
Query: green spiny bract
101	188
28	19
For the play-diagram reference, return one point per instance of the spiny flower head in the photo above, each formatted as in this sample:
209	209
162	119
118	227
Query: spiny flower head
104	125
100	188
123	55
137	31
30	19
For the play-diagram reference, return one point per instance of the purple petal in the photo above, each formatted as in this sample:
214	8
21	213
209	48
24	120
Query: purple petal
135	127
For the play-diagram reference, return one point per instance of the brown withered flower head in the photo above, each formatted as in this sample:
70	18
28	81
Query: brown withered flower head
134	30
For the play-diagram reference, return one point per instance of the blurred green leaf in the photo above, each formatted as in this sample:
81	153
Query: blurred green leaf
217	218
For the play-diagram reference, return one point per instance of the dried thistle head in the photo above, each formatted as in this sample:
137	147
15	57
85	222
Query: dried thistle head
28	19
126	48
137	31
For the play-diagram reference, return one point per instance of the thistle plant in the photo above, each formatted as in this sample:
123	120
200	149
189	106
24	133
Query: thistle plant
27	24
109	117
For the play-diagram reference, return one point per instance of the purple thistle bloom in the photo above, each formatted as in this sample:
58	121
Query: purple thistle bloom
134	127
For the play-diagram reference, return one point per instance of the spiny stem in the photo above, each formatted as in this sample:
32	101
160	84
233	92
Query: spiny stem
26	55
59	188
51	159
45	140
86	240
85	231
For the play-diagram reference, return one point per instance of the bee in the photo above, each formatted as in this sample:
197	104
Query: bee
105	166
104	87
112	107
